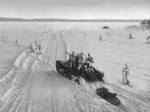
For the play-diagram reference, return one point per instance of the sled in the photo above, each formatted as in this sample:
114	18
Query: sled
108	96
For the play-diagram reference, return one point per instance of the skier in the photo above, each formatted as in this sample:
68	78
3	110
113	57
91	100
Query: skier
126	73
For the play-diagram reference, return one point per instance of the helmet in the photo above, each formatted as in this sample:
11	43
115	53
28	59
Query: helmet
73	52
81	53
126	64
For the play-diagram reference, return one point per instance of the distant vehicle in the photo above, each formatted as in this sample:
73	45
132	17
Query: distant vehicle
90	75
106	27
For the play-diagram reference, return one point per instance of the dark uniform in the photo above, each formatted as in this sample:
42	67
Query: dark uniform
72	60
148	40
80	60
90	59
130	36
126	73
87	65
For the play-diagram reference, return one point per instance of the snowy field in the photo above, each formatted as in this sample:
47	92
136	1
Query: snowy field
45	89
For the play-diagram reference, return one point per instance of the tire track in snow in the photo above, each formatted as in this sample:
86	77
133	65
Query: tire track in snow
132	100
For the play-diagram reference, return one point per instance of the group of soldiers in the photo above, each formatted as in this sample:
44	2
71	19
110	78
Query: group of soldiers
147	38
77	61
4	38
35	47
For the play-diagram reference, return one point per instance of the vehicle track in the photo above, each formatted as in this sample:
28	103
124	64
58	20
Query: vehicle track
130	101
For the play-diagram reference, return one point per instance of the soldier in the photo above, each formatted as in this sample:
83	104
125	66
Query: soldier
38	45
126	73
87	65
80	60
31	49
148	40
72	60
100	37
90	58
40	48
17	43
130	36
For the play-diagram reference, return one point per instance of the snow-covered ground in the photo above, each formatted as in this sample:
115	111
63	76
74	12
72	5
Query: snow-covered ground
31	85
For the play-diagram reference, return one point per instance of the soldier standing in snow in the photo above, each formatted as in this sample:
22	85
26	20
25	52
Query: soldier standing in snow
17	43
100	37
148	40
130	36
126	73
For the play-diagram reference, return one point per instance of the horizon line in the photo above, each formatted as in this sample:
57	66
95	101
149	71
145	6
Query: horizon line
5	19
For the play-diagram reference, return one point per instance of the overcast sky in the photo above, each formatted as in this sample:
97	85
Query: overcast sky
76	9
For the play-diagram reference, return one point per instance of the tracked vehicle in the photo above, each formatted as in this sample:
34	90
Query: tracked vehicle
90	75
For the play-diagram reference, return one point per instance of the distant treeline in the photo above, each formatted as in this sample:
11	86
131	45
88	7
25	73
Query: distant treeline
145	22
3	19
